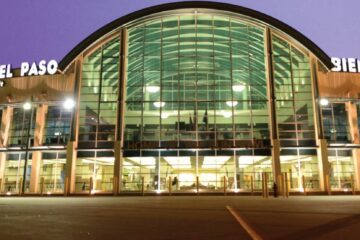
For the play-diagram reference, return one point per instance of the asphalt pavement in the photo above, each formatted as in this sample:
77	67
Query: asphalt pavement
180	217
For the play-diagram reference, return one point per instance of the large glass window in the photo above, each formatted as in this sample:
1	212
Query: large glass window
52	172
20	123
57	126
335	122
302	168
189	171
341	169
14	172
196	81
94	174
293	91
99	94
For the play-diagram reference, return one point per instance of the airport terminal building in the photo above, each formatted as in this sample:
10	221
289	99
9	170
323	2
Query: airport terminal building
188	97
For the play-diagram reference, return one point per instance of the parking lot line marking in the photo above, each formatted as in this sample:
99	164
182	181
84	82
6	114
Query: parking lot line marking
253	234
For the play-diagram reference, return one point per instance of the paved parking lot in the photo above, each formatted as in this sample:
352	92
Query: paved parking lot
180	217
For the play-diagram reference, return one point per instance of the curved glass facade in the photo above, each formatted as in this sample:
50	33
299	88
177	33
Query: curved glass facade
196	109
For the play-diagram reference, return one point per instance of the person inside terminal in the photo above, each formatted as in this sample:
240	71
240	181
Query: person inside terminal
187	97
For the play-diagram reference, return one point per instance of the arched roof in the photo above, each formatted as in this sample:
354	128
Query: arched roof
317	51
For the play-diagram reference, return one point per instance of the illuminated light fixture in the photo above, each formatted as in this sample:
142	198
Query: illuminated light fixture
159	104
236	190
8	193
27	106
152	89
92	192
226	114
231	103
145	161
48	193
214	162
158	191
69	104
324	102
179	162
244	161
238	87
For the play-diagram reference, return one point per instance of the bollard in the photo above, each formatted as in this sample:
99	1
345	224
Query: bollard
170	184
90	185
352	184
286	183
20	185
142	186
283	184
224	185
266	185
280	184
265	193
328	187
303	184
252	185
197	185
42	186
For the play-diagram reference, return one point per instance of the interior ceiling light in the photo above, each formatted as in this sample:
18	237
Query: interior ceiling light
238	87
231	103
179	162
152	89
226	114
159	104
214	162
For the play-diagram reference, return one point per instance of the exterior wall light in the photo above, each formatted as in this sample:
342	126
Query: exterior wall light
324	102
27	106
69	104
152	89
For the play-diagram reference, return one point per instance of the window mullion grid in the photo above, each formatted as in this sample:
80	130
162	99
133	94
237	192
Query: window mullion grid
293	96
99	97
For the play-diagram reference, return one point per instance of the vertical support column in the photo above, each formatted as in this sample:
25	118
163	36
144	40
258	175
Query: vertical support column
354	131
36	155
353	122
120	114
2	170
324	165
4	136
323	161
275	151
69	186
356	157
70	168
5	125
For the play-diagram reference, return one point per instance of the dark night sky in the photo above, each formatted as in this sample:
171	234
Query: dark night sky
44	29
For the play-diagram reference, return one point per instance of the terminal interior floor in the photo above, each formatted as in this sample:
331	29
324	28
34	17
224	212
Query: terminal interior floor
183	217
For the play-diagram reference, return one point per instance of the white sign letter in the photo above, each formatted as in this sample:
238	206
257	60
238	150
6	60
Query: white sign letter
352	65
2	71
52	67
337	63
24	68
